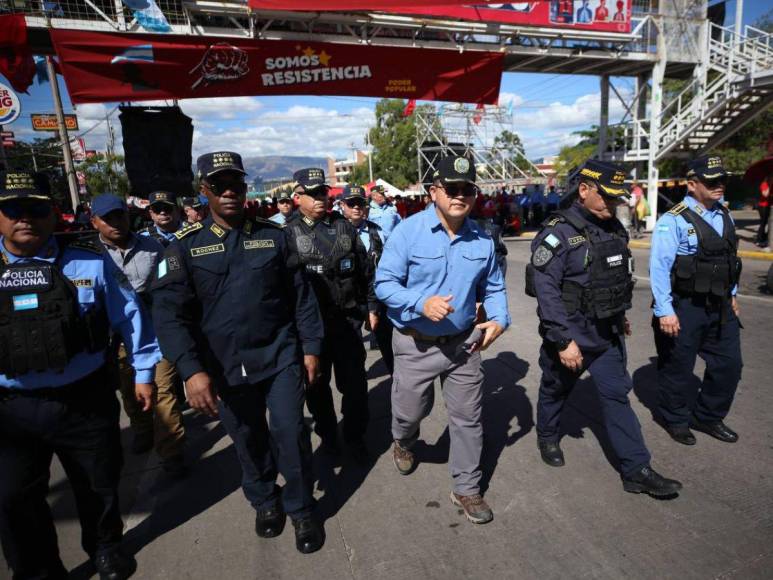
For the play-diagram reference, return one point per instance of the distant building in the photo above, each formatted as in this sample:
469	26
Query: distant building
338	171
547	166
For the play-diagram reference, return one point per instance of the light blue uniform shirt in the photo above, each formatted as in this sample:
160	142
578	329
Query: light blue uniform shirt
166	235
420	260
674	236
278	218
384	216
98	287
362	231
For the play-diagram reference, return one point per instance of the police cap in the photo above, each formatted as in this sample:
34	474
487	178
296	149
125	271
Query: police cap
309	178
284	194
610	177
706	167
455	169
193	202
209	164
24	185
162	196
355	192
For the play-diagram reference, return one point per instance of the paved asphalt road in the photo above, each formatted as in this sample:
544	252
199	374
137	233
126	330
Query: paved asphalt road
549	523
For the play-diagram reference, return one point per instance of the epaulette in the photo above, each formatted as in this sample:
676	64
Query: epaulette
87	244
265	222
188	230
678	208
551	223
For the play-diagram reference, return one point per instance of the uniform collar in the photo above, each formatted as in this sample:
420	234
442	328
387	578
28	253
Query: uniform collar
434	223
133	240
698	207
47	253
311	222
164	234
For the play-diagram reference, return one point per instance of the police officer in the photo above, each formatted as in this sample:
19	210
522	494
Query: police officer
58	299
137	257
355	209
381	212
337	264
581	274
195	209
437	266
285	204
236	320
165	213
694	269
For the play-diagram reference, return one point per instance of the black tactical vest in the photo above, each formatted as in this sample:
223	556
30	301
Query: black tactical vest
153	233
716	267
376	244
41	326
610	263
332	264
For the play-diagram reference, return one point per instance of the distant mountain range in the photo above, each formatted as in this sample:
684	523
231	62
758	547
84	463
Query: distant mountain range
268	167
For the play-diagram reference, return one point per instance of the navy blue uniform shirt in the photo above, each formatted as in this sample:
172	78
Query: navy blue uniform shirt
226	302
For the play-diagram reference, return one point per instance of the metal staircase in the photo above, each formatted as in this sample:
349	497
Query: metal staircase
734	87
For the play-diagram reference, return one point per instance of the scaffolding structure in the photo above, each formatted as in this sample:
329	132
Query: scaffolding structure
472	132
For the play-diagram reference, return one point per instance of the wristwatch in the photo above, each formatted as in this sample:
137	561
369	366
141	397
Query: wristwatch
562	344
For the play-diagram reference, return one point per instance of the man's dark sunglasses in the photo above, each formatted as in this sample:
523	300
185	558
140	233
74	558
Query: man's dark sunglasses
355	202
454	190
14	210
220	187
714	183
162	208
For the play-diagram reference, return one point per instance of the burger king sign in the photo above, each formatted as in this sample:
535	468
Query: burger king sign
10	106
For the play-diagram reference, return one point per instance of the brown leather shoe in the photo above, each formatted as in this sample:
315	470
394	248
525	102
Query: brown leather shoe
404	459
475	507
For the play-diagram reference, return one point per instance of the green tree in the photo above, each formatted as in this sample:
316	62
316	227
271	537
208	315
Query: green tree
105	174
509	145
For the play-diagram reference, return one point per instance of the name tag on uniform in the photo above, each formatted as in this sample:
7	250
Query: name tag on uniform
614	261
690	231
26	278
206	250
25	302
576	240
258	244
83	283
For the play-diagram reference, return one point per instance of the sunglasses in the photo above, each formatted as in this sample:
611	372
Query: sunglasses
714	183
14	210
161	208
220	187
467	190
355	203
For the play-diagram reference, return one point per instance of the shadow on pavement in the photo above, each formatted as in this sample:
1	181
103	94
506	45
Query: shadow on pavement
645	386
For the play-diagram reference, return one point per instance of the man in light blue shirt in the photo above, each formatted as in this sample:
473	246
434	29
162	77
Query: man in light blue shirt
694	270
437	267
165	213
59	299
382	213
285	205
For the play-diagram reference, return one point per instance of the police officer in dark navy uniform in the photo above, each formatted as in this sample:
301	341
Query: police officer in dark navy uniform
694	268
58	301
581	273
355	208
165	213
336	261
237	319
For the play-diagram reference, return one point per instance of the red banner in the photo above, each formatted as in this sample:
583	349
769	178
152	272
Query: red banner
111	67
602	15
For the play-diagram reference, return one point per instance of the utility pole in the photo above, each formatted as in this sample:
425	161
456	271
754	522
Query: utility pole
738	27
69	169
370	157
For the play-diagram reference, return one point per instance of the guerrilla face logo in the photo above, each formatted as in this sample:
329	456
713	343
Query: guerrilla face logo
10	106
221	62
309	67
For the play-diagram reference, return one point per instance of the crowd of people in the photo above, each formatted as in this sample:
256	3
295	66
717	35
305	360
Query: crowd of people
256	316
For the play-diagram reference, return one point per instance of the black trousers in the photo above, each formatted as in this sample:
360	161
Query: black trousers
718	343
344	353
383	336
78	423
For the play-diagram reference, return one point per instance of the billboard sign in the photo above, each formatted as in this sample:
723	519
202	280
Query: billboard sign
48	122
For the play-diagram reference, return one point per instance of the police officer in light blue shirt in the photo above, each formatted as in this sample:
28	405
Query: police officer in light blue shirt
437	267
285	204
165	213
694	268
381	212
58	299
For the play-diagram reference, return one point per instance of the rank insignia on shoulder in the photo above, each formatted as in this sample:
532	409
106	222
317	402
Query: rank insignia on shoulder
576	240
678	208
553	222
188	230
541	256
217	230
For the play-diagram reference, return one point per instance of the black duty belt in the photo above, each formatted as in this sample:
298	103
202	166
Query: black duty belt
442	339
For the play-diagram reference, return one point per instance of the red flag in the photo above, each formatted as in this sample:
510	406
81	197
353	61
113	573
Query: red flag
409	108
16	62
479	115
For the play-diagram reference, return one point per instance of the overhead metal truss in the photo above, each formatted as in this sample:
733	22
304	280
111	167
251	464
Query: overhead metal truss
468	131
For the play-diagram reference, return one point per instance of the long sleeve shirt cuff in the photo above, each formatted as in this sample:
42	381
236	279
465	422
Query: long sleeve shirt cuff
312	348
188	367
664	310
144	375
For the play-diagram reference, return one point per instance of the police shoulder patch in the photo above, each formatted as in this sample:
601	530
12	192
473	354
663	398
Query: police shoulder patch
541	256
188	230
678	208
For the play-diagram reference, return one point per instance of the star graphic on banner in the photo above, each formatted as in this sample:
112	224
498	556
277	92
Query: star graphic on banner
324	58
309	52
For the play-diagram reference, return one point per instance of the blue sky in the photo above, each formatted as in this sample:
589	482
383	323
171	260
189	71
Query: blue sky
547	108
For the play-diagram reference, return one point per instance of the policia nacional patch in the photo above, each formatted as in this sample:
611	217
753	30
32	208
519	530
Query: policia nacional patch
545	251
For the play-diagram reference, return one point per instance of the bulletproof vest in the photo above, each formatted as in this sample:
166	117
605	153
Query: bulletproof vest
41	326
610	287
153	233
331	263
715	268
376	244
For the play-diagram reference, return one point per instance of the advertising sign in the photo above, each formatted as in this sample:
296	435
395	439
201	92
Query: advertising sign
48	122
109	67
10	105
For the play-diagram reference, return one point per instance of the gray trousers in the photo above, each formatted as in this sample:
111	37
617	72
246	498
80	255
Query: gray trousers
417	365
